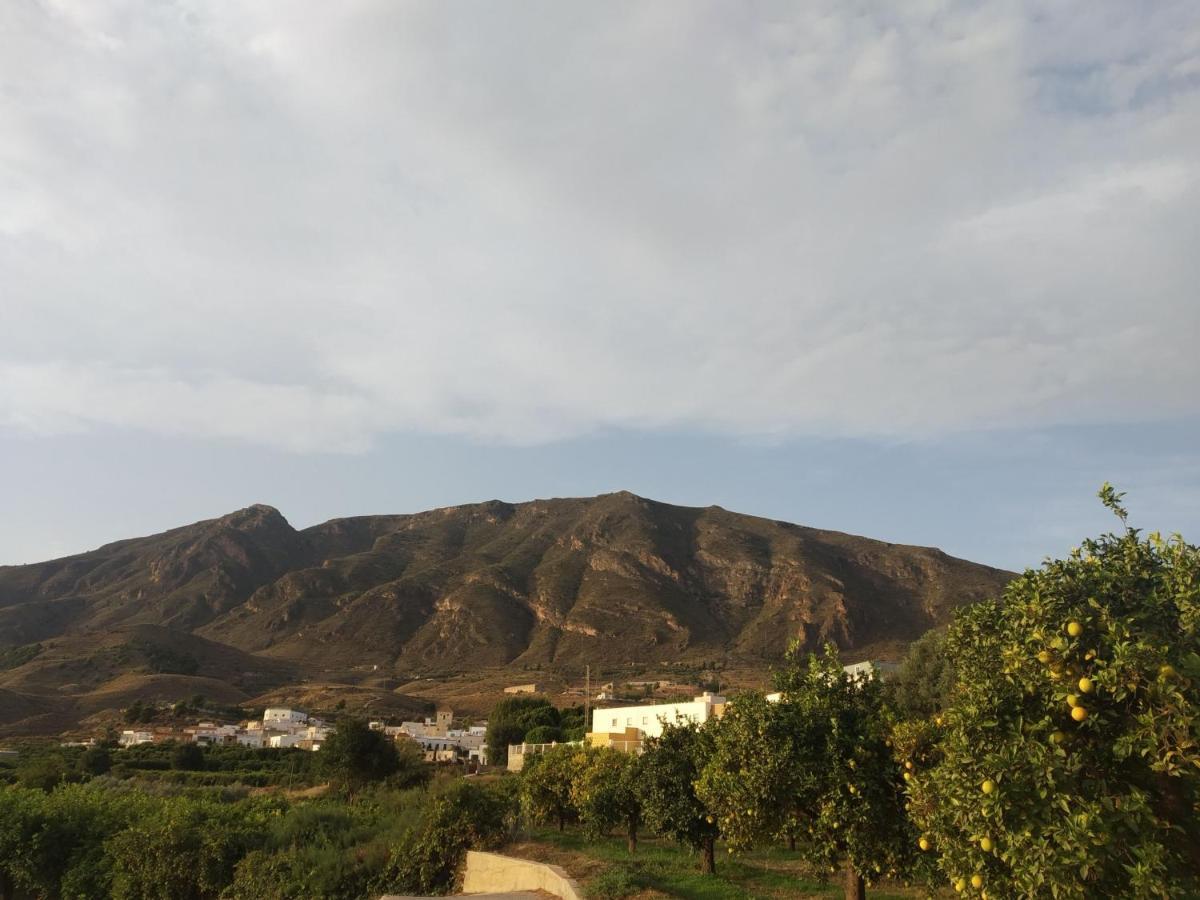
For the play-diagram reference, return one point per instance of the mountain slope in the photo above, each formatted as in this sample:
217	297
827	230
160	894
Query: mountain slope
610	579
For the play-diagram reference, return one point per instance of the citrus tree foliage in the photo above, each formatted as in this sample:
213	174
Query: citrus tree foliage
355	755
816	765
185	849
546	783
604	791
467	816
668	771
1067	763
54	844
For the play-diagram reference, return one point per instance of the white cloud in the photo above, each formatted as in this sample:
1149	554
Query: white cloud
309	227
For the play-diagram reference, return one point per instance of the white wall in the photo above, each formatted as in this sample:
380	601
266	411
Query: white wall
649	719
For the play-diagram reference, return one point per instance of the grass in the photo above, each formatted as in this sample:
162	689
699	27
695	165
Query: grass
607	871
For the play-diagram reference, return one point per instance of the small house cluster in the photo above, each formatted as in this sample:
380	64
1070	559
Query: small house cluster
280	727
439	739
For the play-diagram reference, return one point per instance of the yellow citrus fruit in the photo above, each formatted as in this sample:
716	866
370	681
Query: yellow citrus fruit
1074	629
923	843
988	786
908	776
1057	738
1044	656
976	881
908	764
960	885
1079	714
1085	685
1167	671
986	845
1072	700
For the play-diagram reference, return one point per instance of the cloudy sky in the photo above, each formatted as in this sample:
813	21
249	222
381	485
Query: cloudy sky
924	271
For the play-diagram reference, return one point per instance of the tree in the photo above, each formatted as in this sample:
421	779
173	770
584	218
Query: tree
921	686
428	858
511	719
543	734
815	766
355	755
19	810
1068	761
668	771
546	783
604	791
184	849
187	757
95	761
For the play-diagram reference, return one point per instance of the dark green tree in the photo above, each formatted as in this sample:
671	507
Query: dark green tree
355	756
95	761
511	719
187	757
921	686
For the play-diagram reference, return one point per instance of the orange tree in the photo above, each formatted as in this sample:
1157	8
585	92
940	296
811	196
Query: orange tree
815	765
546	783
1067	760
604	791
666	785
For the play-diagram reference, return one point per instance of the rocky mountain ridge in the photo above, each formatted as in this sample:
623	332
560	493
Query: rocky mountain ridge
615	579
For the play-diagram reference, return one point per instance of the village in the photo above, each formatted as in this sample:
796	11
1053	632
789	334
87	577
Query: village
617	723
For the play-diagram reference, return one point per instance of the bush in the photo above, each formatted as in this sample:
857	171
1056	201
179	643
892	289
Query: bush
95	761
301	873
428	858
184	850
187	757
614	884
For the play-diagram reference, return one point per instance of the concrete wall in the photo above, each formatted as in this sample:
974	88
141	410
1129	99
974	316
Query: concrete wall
493	873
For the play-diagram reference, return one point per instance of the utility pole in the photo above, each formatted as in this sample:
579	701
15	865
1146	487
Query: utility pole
587	700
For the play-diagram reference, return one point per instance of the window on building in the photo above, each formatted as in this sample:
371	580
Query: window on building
614	722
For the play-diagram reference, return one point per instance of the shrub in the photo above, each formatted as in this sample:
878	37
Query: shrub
428	858
614	884
187	757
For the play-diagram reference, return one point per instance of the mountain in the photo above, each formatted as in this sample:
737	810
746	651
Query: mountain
251	603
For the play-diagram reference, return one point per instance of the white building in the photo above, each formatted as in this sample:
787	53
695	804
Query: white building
254	738
132	738
649	720
276	716
871	668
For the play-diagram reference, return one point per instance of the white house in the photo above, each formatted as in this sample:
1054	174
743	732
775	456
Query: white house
254	738
276	716
649	720
131	738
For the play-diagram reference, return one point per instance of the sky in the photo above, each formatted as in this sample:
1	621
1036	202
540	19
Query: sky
923	271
